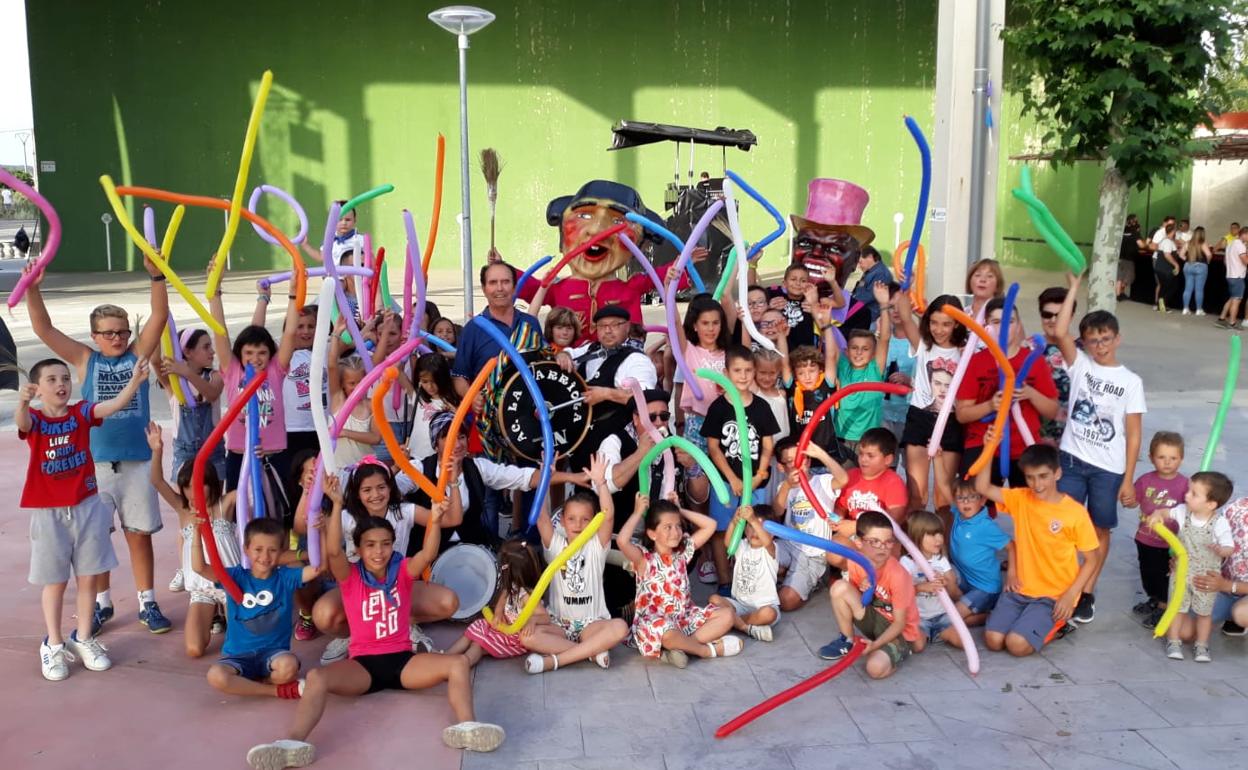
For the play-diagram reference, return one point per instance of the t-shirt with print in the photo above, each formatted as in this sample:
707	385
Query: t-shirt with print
123	436
900	360
698	357
1052	429
1100	399
272	410
973	547
1047	541
801	323
297	390
933	374
576	593
1153	493
378	624
721	424
928	603
858	413
1235	566
264	620
981	383
802	405
801	515
878	494
894	589
61	471
1235	267
754	576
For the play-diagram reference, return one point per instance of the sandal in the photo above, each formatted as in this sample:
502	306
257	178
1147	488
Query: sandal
732	646
536	664
603	659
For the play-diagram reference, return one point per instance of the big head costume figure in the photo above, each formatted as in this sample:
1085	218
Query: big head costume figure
830	235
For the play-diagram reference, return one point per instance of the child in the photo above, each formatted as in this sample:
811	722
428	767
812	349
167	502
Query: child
435	392
1050	301
446	330
974	544
874	485
667	625
385	331
766	386
891	623
562	328
927	531
358	433
864	361
577	598
723	438
899	368
805	564
297	387
755	605
69	524
1102	437
796	297
1206	535
118	446
378	592
1044	579
207	601
703	337
936	344
1163	487
811	379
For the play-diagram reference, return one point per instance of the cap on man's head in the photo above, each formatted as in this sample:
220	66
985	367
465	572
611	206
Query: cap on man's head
612	311
656	394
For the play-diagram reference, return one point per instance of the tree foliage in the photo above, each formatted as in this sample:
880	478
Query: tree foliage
1125	79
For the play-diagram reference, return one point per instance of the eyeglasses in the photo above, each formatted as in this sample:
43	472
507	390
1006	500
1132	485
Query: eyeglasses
766	324
758	303
881	544
110	334
610	324
1099	342
663	416
967	498
1046	315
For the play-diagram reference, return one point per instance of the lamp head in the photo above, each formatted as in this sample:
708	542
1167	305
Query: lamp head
461	19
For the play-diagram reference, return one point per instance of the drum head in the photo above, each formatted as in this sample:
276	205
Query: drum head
517	412
469	571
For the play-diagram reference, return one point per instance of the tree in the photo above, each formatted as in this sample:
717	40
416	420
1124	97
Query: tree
21	175
1126	81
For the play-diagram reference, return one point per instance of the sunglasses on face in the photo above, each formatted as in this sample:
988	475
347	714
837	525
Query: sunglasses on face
1047	315
663	416
123	334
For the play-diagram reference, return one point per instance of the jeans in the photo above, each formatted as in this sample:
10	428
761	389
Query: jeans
1194	275
1094	488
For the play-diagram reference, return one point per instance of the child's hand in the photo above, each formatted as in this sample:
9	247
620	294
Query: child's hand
340	326
641	504
436	512
745	512
879	291
27	393
154	440
263	289
684	459
37	281
141	370
929	586
737	485
672	498
333	488
597	470
1126	494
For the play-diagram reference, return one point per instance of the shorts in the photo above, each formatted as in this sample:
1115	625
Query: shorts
1126	272
1223	603
872	625
693	432
722	514
214	596
385	671
804	571
1195	602
978	601
1235	288
255	666
744	609
76	536
495	643
126	486
572	629
648	629
920	423
931	627
1094	488
1027	616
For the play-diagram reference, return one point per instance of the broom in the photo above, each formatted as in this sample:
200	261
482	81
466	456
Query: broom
491	166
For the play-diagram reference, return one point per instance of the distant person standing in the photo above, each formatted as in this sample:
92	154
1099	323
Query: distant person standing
6	197
1236	270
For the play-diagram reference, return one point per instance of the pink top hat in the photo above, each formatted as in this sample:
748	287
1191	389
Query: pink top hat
835	205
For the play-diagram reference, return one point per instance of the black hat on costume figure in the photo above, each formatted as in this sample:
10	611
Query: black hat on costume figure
601	192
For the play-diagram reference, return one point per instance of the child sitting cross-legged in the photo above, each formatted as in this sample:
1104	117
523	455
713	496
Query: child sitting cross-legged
891	621
754	596
1051	533
805	565
975	543
927	532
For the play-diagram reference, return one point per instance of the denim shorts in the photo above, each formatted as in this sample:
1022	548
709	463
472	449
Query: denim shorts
693	432
931	627
1092	487
255	666
1222	605
1235	287
978	601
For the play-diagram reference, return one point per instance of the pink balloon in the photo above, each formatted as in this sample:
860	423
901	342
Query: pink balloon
669	464
50	246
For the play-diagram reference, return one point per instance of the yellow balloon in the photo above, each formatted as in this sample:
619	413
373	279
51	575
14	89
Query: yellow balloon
110	191
240	183
1180	578
539	590
166	349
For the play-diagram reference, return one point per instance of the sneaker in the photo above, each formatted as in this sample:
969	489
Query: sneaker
1201	653
218	625
178	584
419	639
1238	327
1153	618
93	654
102	615
836	649
1186	311
55	661
1174	650
1221	324
1145	607
281	754
1085	611
761	633
1231	628
1200	312
706	573
336	650
473	736
305	629
675	658
154	619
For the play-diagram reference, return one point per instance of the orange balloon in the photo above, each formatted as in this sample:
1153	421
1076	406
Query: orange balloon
918	285
460	415
1007	395
437	205
392	443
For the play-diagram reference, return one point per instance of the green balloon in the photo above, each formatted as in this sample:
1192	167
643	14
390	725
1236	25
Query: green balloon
747	462
1224	406
367	196
712	473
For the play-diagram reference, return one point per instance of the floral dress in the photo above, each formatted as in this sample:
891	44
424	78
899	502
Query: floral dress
664	602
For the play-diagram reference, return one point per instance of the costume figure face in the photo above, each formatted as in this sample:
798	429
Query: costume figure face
583	222
824	253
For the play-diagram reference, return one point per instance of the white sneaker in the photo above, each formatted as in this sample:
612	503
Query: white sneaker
761	633
54	661
1174	650
706	573
419	639
94	655
336	650
281	754
1186	311
1200	312
473	736
1201	653
178	584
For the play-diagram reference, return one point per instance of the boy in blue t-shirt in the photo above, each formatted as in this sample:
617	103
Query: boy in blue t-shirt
974	546
256	657
864	361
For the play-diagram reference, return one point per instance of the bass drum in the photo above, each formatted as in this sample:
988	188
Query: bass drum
469	571
517	413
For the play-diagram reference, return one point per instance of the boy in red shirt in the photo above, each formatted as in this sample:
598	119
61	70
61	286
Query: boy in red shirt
69	524
873	485
892	620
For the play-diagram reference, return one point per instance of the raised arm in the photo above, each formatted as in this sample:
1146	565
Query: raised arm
163	488
220	342
433	541
704	526
598	479
905	316
1065	340
71	350
624	540
884	327
149	337
339	567
264	295
286	348
983	481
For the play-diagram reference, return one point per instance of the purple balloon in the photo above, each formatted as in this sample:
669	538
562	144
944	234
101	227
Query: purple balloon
289	200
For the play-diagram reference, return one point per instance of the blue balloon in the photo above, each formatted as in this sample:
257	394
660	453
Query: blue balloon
1003	333
672	238
925	186
788	533
253	441
437	341
527	274
775	214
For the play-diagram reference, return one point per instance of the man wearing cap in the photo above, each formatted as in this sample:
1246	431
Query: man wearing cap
830	235
598	206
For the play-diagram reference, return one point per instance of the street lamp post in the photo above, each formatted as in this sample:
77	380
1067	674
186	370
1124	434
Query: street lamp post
23	136
462	21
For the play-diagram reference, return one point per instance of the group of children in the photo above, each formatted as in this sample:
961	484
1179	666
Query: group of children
1072	451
